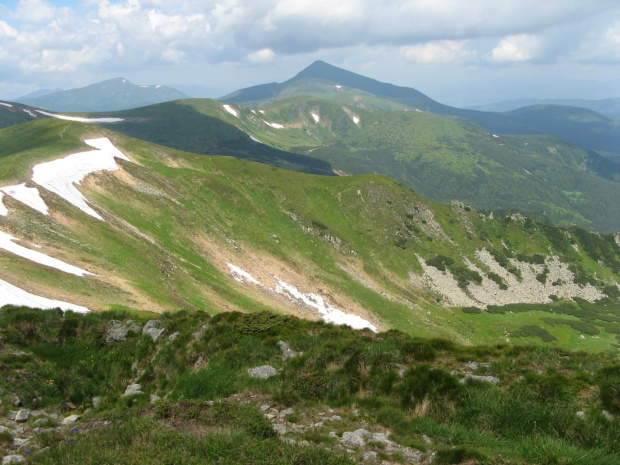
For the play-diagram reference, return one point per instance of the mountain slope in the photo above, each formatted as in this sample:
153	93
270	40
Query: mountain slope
110	95
159	229
441	158
595	132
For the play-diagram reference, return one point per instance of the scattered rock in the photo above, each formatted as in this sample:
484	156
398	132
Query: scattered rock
69	406
265	407
280	429
350	439
608	415
262	372
201	332
22	416
335	418
19	442
332	434
155	398
4	430
370	455
13	459
70	419
152	329
288	411
133	390
581	415
198	363
173	336
96	402
480	379
427	440
17	402
116	334
287	352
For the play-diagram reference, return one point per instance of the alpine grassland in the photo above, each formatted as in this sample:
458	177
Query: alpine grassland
406	398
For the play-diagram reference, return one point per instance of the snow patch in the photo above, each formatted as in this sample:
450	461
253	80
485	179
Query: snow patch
255	139
327	312
29	112
6	243
231	110
496	136
28	196
157	86
59	176
355	119
6	104
12	295
274	125
79	119
261	112
240	275
338	86
316	117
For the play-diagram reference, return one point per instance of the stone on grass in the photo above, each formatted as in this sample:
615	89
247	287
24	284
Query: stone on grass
350	439
173	336
96	402
22	416
287	352
581	415
152	329
370	455
280	429
262	372
116	334
133	390
155	398
288	411
7	459
480	379
70	419
608	415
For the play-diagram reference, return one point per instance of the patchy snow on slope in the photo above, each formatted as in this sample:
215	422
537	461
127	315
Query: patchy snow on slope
6	104
3	210
255	139
28	196
79	119
316	117
29	112
355	119
6	243
59	176
274	125
338	86
12	295
241	275
231	110
327	312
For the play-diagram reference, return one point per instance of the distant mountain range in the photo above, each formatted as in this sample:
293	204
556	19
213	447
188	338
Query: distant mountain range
609	107
578	125
111	95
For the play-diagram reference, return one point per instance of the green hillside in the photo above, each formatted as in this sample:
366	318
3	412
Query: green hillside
577	125
440	158
609	107
110	95
182	231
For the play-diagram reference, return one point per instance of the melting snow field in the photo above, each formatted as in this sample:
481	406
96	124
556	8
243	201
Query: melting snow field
29	112
326	311
274	125
316	117
6	243
6	104
241	275
356	120
27	195
79	119
255	139
231	110
11	295
58	176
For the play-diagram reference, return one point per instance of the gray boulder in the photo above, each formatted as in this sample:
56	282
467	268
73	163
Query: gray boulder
480	379
116	334
262	372
350	439
70	419
152	329
7	459
173	336
133	390
287	352
22	416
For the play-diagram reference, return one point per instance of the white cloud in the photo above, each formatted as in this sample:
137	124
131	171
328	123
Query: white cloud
518	48
35	11
445	51
264	55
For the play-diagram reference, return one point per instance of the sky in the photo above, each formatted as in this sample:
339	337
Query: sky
459	52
